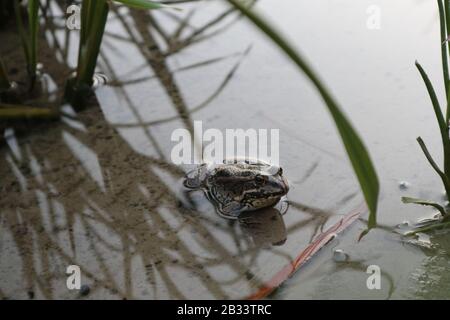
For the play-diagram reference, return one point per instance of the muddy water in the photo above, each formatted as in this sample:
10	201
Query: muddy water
99	190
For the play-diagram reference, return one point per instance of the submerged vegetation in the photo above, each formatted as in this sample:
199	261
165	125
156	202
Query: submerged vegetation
29	37
443	119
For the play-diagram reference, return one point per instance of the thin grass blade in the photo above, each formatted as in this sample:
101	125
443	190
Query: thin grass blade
447	15
431	227
4	81
96	22
443	125
444	46
441	174
33	21
357	152
144	4
421	202
21	29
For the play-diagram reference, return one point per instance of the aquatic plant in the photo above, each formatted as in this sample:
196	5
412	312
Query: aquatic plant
356	151
29	37
94	14
442	117
4	81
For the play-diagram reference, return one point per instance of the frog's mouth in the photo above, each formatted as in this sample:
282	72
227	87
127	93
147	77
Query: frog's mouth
266	195
285	184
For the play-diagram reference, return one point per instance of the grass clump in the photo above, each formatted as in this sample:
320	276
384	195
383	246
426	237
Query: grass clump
29	36
442	117
94	14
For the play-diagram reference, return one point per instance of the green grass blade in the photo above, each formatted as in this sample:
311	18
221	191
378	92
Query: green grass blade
87	10
441	174
22	33
444	45
431	227
94	14
97	16
443	126
421	202
4	81
143	4
359	157
447	117
33	21
447	15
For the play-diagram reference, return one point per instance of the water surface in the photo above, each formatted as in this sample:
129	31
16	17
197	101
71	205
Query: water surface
99	189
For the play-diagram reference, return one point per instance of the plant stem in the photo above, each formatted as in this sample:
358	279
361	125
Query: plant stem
21	30
94	16
434	226
4	81
444	178
444	45
443	124
435	205
29	41
447	15
33	21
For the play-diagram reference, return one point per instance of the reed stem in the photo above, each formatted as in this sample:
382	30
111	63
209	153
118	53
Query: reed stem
433	164
94	15
444	45
33	21
29	38
4	81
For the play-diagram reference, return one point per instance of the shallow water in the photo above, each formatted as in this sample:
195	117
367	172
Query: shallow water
99	189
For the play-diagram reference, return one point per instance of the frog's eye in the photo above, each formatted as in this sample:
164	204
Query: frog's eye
260	179
280	172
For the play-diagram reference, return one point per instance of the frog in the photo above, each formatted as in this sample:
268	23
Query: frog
240	185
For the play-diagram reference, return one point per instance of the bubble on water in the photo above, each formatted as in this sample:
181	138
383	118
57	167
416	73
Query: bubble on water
403	185
13	85
404	225
99	80
339	255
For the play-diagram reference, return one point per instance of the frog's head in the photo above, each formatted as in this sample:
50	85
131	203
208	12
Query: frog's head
249	186
267	188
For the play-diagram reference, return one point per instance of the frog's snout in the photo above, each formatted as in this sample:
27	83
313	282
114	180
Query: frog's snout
285	185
